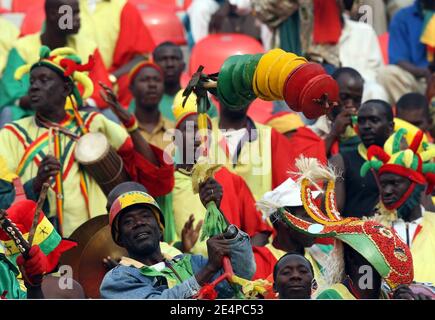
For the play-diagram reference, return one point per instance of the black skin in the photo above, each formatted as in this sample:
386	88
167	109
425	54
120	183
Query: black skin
419	117
147	89
232	119
170	59
48	92
351	91
140	235
53	36
293	278
353	261
287	238
190	139
374	129
392	188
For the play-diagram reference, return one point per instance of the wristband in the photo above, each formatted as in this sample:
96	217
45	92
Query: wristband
132	124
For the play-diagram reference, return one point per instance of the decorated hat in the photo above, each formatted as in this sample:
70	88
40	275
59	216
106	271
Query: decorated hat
190	108
139	66
407	163
46	237
129	199
65	62
378	244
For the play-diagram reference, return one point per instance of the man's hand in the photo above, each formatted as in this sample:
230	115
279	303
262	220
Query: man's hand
404	292
49	167
110	98
34	267
110	263
210	190
217	247
343	119
190	235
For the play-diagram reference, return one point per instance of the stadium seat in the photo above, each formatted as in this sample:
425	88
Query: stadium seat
212	51
175	4
24	5
163	23
33	20
383	42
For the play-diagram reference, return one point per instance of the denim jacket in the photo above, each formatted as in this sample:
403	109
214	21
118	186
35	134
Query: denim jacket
127	282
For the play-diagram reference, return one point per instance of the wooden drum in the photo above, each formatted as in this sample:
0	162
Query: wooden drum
100	161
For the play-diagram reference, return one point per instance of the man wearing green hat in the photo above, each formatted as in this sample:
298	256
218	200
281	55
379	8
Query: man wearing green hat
138	224
42	147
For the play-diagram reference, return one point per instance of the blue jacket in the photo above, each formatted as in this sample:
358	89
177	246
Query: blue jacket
127	282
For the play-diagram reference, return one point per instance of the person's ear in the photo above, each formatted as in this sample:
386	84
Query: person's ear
183	66
391	127
314	285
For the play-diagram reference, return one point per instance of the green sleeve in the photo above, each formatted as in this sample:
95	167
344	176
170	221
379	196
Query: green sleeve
9	282
11	89
165	204
329	294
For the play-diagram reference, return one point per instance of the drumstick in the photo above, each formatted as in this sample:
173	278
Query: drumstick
40	203
50	141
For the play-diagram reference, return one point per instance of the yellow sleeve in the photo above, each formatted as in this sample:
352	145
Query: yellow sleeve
11	149
116	134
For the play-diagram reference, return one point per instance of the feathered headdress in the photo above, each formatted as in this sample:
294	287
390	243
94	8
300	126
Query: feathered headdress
380	245
66	63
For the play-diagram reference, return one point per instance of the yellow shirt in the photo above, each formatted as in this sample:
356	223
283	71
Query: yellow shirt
157	136
186	203
423	250
9	33
75	211
102	24
254	163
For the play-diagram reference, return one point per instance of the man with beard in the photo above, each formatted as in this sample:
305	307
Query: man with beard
356	195
403	177
137	224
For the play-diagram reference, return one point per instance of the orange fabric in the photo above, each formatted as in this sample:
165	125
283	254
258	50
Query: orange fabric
238	203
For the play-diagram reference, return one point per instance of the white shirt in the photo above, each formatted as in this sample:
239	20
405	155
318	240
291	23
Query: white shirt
407	230
359	49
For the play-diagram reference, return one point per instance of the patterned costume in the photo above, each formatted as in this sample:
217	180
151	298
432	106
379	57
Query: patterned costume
415	166
378	244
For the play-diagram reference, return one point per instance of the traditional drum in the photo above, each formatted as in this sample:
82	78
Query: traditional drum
101	161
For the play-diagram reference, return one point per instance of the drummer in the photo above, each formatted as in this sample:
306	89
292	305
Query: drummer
138	224
41	147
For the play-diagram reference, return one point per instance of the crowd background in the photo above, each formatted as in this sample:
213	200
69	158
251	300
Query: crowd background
144	52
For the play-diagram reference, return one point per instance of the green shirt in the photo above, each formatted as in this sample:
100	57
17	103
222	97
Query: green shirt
8	280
